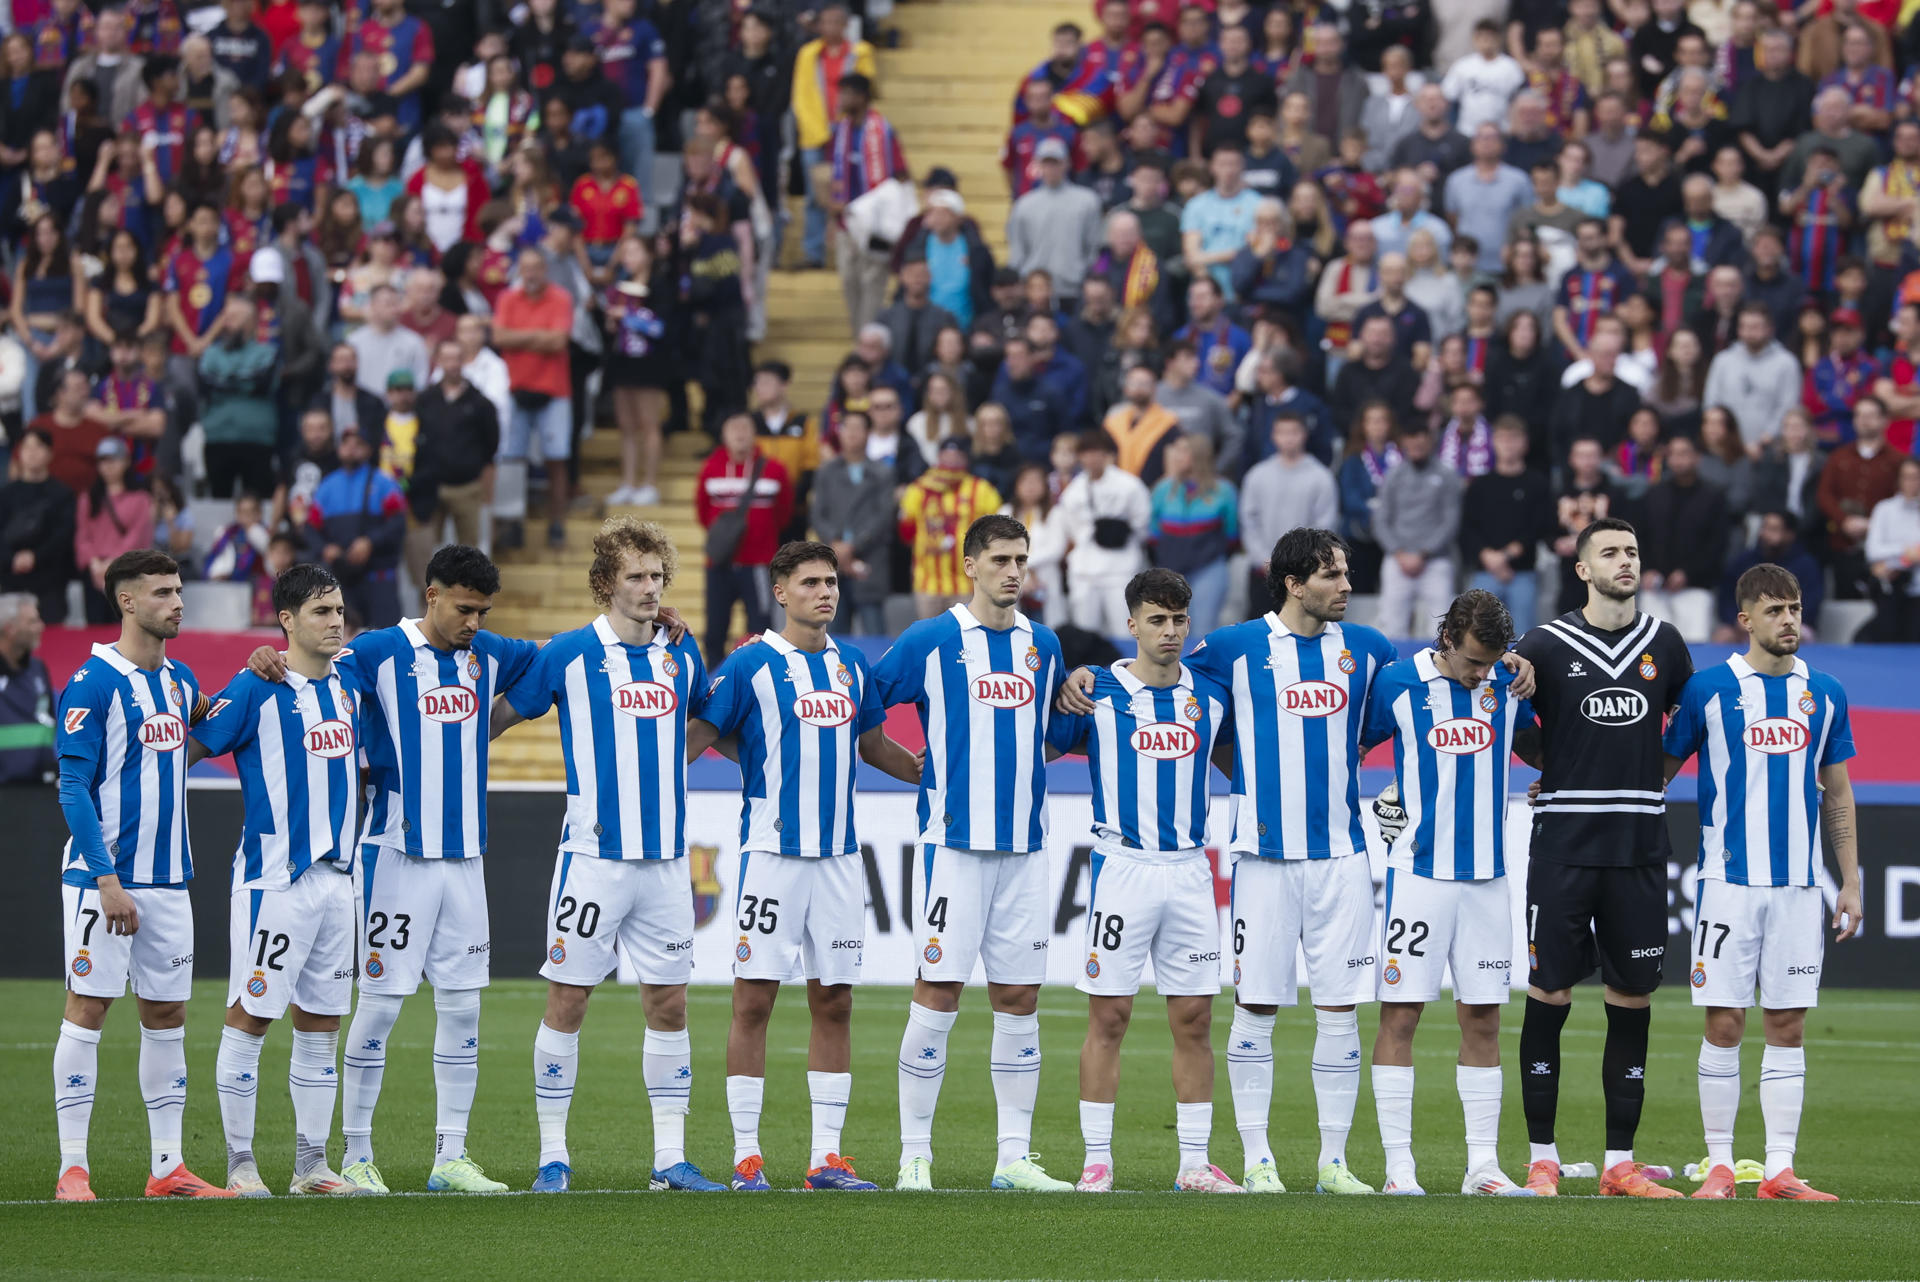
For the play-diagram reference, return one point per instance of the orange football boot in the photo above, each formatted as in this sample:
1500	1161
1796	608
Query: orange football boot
73	1186
1719	1183
1788	1187
1543	1177
1630	1179
180	1182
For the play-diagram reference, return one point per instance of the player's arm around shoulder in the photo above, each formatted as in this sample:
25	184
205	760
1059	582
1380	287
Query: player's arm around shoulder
225	725
718	712
533	690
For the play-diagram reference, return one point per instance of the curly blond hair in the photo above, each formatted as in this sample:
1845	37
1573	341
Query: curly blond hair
620	535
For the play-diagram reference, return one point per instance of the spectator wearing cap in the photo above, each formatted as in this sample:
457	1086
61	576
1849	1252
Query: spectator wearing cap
36	526
1055	226
852	510
914	318
1839	378
1756	379
383	344
1107	513
452	480
400	430
26	693
239	376
935	511
959	264
357	527
818	69
286	321
863	153
114	516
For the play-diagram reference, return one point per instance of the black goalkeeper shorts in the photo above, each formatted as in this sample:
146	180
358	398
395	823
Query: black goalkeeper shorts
1580	918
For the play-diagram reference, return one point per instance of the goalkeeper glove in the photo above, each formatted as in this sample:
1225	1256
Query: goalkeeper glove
1392	816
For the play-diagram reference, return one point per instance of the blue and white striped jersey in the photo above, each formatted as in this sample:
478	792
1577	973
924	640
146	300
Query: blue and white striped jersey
1147	749
123	737
426	735
986	703
623	731
296	744
799	717
1451	751
1762	741
1298	705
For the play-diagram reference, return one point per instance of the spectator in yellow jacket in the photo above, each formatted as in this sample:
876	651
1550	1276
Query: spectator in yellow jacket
817	69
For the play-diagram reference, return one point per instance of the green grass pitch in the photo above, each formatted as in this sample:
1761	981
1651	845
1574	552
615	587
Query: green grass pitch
1858	1140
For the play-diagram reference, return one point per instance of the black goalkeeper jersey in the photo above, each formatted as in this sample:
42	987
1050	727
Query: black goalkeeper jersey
1602	699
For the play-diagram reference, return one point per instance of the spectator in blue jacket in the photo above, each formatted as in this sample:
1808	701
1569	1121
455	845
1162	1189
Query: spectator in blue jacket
1277	395
359	529
1036	409
1778	542
1057	367
1271	273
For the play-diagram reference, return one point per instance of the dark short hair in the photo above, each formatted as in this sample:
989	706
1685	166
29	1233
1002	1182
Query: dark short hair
991	529
1159	587
137	564
1301	553
1605	525
299	584
1096	439
458	566
792	556
1477	613
1754	307
858	83
1766	580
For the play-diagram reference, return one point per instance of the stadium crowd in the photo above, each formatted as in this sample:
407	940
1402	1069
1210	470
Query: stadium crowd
291	281
1451	279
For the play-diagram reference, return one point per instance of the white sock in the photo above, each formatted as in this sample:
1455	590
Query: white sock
1096	1132
1192	1128
236	1078
1336	1078
1250	1078
744	1096
1014	1064
1719	1075
923	1065
666	1063
1480	1103
163	1081
456	1067
76	1064
829	1093
1614	1157
314	1083
1543	1153
556	1067
1783	1089
364	1064
1393	1104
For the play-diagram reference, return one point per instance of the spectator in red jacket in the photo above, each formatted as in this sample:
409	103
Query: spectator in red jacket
739	549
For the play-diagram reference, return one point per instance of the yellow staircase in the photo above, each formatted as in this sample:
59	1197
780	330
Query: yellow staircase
948	89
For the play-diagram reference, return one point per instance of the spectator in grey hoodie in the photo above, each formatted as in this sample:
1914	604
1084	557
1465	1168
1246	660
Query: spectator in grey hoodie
1201	410
1055	227
1756	378
1288	488
1417	520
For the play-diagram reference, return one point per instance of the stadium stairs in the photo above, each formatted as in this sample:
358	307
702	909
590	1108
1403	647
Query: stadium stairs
947	88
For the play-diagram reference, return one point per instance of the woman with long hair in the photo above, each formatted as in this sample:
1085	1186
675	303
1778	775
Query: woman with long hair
296	171
451	194
202	177
1724	460
45	285
942	413
122	298
1523	282
949	358
1032	505
409	218
1195	526
376	179
243	143
1313	225
380	266
641	364
531	194
1278	50
1680	385
1369	456
113	517
1641	458
852	381
249	212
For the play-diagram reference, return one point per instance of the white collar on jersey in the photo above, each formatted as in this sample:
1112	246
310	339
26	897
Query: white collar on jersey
603	628
1742	669
1280	629
964	617
1424	665
415	637
783	646
1123	673
122	664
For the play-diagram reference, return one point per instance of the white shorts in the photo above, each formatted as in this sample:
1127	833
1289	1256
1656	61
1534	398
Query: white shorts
1430	924
1153	907
1769	935
293	945
156	961
1323	907
984	906
643	905
800	918
421	917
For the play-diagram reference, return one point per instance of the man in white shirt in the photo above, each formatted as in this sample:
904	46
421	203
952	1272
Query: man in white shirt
1106	511
1483	82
